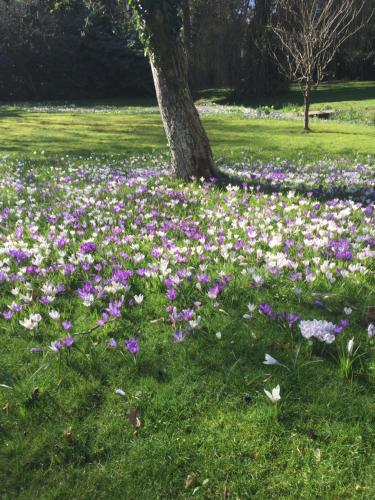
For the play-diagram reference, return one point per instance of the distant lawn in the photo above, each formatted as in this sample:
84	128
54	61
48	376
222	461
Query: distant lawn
336	95
28	133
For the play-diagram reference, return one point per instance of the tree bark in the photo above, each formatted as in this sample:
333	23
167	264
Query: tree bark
306	99
190	149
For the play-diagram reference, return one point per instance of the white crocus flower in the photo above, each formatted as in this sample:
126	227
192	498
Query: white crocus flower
269	360
55	315
251	308
348	311
350	346
138	299
274	396
32	322
88	300
195	322
120	392
27	323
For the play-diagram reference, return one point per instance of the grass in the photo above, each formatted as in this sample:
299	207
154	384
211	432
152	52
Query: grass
333	95
25	132
64	433
352	101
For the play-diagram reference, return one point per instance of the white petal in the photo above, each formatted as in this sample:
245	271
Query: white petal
269	360
268	394
350	346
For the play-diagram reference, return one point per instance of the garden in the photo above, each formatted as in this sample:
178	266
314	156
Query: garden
187	270
163	339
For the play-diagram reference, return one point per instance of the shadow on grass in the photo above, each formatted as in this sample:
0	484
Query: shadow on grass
326	93
320	193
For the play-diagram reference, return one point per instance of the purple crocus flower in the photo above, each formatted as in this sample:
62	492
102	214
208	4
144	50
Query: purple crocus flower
318	303
112	343
369	211
67	325
187	314
132	346
203	278
19	255
292	319
171	294
344	323
68	341
266	309
214	291
88	247
114	309
56	346
45	300
8	315
179	337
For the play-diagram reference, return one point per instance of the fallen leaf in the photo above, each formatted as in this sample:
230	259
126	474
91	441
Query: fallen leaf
226	492
68	433
134	419
35	393
190	480
6	408
371	313
317	454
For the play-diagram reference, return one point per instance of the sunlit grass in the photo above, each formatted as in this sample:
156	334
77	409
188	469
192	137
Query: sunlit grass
30	133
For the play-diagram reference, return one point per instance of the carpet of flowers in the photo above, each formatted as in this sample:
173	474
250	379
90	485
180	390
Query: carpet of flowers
163	339
87	243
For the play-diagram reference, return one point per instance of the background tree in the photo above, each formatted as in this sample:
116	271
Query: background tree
309	33
260	76
52	49
160	25
48	50
217	39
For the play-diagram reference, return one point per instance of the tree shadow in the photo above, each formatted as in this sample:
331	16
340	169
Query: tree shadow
326	93
320	193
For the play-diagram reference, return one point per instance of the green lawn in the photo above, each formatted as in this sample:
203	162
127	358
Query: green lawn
336	95
29	133
64	432
351	101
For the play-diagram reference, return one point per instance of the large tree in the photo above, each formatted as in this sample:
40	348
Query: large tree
309	34
160	25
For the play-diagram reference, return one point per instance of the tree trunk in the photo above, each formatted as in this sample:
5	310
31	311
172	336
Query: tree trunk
306	99
188	142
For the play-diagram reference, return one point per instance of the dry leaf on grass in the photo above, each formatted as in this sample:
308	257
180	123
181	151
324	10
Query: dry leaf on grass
190	480
226	492
134	418
371	313
68	433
